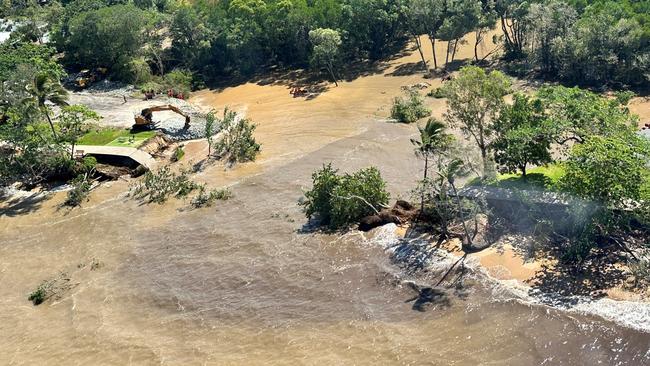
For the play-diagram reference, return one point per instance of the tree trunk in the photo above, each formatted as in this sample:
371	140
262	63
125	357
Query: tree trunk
453	55
331	70
426	169
419	46
460	214
488	169
476	43
49	120
433	50
447	56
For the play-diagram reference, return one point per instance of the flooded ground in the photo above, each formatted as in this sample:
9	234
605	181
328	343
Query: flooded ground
247	282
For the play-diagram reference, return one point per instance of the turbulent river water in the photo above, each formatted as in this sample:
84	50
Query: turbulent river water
249	283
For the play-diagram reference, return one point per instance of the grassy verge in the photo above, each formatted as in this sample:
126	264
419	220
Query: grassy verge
543	177
115	137
547	177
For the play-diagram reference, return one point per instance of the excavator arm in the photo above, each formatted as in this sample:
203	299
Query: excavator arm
145	118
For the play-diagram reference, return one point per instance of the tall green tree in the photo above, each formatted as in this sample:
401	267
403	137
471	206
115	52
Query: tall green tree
45	88
416	18
475	103
549	23
210	129
574	114
607	169
521	136
326	49
107	37
73	122
433	140
486	22
461	17
513	19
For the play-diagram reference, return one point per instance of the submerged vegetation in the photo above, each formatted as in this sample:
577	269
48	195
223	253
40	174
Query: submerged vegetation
237	144
341	200
410	108
157	187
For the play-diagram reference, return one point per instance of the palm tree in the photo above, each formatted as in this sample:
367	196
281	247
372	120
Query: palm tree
46	88
433	139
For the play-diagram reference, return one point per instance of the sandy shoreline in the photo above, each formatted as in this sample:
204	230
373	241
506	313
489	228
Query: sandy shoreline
510	273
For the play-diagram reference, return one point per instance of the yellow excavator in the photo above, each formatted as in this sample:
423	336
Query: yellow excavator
145	118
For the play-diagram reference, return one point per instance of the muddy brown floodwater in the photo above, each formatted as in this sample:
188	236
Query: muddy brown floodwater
246	282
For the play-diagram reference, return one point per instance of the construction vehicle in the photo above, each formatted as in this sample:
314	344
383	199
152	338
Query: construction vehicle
145	118
87	77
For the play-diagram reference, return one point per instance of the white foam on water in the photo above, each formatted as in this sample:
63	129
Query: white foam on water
631	314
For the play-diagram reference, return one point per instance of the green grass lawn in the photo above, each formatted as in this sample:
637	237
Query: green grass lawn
545	177
116	137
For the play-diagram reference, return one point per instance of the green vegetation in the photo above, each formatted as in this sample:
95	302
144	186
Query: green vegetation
178	153
475	100
437	93
237	145
208	198
521	137
326	49
210	129
409	109
341	200
609	170
115	137
157	187
592	42
72	124
79	192
39	295
546	177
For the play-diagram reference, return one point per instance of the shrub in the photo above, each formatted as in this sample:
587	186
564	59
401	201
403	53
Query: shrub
624	97
437	93
207	199
178	153
159	186
641	272
79	192
409	109
39	295
237	143
179	80
607	169
340	200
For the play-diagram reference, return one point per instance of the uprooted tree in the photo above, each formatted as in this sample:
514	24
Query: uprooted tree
341	200
237	143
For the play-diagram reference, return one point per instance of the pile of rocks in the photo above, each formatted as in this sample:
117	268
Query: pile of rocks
174	127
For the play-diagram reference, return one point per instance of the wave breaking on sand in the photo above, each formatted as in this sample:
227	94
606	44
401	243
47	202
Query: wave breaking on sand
630	314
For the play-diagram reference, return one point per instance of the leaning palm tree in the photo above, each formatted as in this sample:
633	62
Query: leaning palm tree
44	88
433	139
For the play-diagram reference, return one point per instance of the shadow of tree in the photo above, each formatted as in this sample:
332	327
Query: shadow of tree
407	69
430	296
23	205
590	278
315	82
